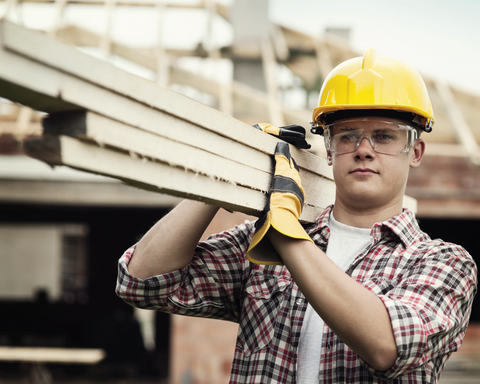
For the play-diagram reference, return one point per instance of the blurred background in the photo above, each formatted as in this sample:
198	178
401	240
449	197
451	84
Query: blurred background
62	231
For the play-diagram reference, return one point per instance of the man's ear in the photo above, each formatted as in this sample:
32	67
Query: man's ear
329	158
418	150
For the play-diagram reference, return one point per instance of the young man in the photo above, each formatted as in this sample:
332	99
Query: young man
360	296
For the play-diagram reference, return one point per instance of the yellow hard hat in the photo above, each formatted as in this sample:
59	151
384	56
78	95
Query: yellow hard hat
373	83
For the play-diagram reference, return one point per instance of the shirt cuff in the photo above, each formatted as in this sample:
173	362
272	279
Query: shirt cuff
410	338
145	293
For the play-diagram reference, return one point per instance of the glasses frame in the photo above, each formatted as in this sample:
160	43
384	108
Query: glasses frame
408	145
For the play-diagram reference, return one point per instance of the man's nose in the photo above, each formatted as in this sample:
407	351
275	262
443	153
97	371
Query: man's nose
364	143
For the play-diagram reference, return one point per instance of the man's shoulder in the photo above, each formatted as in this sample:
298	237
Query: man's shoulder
439	249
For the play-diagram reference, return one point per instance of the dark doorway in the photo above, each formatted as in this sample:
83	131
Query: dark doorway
101	321
462	232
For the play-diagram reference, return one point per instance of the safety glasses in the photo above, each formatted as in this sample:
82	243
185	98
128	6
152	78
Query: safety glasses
386	137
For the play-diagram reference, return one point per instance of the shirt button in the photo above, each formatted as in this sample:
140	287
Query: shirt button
292	349
299	301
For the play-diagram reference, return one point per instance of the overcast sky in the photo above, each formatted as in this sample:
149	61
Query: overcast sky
440	38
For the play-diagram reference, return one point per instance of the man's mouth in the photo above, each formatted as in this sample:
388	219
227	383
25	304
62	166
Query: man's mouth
364	171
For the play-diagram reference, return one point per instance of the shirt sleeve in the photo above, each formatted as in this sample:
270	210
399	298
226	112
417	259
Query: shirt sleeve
430	307
210	286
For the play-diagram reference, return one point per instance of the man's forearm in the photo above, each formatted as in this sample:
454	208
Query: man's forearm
356	315
170	243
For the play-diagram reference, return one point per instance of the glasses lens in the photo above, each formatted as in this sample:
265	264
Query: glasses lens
384	137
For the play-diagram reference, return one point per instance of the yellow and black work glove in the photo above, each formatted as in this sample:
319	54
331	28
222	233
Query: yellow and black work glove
293	134
283	209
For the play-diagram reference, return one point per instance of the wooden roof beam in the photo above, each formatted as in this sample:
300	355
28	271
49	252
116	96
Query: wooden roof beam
221	9
458	122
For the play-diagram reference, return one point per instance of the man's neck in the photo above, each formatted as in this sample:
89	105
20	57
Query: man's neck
364	217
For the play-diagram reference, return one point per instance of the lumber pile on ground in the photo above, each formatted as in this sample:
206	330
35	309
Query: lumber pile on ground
104	120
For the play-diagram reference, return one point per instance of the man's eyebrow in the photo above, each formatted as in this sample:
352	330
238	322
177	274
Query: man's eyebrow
385	129
347	128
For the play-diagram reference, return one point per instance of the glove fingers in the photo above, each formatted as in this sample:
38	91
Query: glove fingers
283	150
294	163
268	128
286	133
295	128
302	144
293	134
294	138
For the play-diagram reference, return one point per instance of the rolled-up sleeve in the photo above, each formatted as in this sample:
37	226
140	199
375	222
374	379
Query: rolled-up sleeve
210	286
430	307
145	293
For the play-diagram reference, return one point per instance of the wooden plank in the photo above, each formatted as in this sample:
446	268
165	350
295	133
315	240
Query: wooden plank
152	175
269	63
60	6
59	56
52	355
81	193
248	101
105	131
27	96
221	9
459	123
323	58
281	46
221	159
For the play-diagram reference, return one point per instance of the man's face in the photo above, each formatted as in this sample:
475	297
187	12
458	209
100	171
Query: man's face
365	178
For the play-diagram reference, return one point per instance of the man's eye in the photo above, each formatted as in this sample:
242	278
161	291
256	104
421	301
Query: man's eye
382	136
350	136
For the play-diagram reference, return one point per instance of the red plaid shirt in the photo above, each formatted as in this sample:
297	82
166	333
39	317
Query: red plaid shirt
426	285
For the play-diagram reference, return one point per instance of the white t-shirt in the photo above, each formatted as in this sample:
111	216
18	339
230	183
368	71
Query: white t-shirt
344	245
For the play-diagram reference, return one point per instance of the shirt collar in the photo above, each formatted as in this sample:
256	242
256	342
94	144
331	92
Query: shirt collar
403	225
320	228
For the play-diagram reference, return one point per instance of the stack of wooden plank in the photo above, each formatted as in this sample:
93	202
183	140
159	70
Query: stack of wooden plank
104	120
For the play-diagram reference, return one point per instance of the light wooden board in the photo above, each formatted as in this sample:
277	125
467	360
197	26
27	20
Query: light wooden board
221	159
65	193
464	133
248	101
152	175
52	355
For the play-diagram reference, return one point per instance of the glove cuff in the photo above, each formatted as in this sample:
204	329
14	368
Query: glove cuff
261	250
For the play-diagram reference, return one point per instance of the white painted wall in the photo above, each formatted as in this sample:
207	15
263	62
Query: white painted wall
30	259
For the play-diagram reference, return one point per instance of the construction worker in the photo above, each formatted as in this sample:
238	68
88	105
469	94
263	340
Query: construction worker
360	296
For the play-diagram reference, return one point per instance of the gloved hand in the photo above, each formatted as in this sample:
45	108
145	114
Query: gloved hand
283	209
293	134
